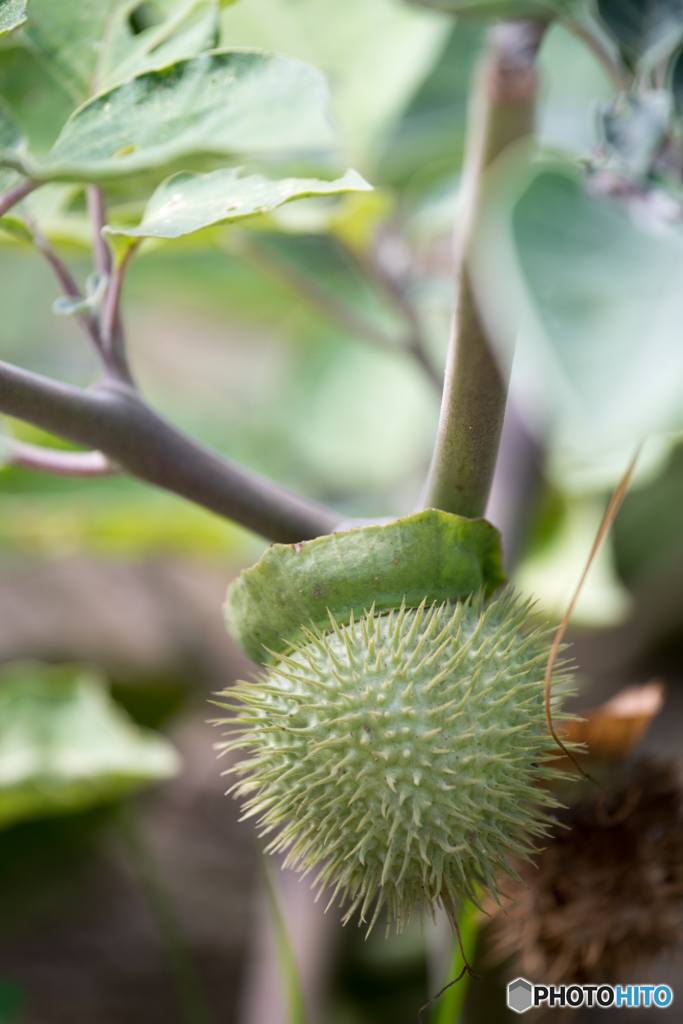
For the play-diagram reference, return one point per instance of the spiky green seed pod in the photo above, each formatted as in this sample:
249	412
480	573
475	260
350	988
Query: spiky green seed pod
398	752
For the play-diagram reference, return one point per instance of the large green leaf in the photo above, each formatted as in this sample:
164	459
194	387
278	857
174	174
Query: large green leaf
592	291
66	746
227	103
12	14
374	53
88	45
189	202
427	141
67	37
431	554
185	28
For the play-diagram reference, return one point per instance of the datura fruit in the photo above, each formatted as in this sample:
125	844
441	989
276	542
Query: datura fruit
397	738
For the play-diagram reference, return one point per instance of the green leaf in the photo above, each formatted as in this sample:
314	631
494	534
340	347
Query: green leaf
90	44
96	288
66	746
12	145
431	554
589	290
640	26
16	228
12	15
185	29
189	202
11	135
374	53
493	8
427	142
66	37
227	103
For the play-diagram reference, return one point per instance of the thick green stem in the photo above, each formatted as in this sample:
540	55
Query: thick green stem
475	387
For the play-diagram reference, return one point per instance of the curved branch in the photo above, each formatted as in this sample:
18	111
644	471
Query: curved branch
112	334
13	195
86	320
58	462
112	418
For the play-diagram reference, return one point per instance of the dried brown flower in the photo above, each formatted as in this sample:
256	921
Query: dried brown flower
606	894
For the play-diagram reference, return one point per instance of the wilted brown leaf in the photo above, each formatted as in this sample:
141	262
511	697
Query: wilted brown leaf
612	730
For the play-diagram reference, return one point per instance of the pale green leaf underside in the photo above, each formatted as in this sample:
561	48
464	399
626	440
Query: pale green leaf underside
12	15
226	103
589	298
66	746
431	554
189	202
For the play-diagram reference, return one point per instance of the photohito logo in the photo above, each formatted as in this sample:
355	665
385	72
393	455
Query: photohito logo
523	996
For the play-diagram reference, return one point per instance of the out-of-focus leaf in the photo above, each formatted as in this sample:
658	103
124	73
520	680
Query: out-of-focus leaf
12	142
91	44
226	103
11	136
37	102
493	8
328	275
374	53
15	228
12	14
185	28
111	521
676	81
96	287
66	746
67	37
640	26
189	202
551	573
13	1001
426	142
634	129
592	292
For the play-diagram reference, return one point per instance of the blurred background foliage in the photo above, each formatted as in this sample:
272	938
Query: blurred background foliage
308	345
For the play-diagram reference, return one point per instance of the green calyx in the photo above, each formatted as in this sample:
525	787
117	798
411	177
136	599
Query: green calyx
431	555
398	754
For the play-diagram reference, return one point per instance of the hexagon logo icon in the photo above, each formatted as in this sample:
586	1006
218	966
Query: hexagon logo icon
520	995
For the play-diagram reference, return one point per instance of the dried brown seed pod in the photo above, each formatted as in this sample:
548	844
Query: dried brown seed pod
605	896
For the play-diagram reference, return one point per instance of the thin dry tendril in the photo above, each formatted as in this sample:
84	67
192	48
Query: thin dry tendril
610	515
